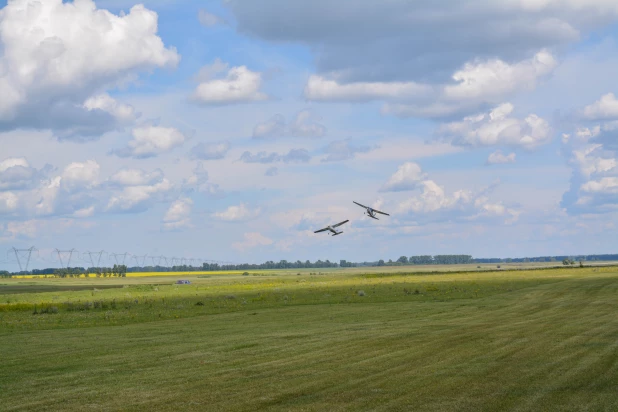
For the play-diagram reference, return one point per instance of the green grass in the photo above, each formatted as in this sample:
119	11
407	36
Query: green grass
528	340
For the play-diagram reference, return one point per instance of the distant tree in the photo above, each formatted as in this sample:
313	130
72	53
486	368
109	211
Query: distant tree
381	262
403	260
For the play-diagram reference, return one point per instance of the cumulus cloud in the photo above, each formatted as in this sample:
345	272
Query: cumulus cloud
17	174
366	46
123	113
304	125
407	177
151	141
252	240
476	83
178	216
605	108
498	157
237	213
139	198
210	151
461	204
293	156
199	181
498	128
240	85
136	177
340	150
8	202
593	157
58	57
67	193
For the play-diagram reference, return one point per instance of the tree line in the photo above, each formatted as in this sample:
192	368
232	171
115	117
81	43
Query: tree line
122	270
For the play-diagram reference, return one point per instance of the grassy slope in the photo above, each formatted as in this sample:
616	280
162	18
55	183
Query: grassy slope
539	341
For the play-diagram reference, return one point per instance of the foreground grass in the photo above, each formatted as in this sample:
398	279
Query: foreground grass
544	340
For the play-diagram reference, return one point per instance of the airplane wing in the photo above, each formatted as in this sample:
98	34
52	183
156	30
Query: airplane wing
377	211
321	230
339	224
360	204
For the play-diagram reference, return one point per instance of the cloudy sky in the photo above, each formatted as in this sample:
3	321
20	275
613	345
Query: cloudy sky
231	130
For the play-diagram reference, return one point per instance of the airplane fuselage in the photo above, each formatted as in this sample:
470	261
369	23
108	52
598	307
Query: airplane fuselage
371	214
335	233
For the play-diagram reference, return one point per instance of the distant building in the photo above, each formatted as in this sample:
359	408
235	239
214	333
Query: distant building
183	282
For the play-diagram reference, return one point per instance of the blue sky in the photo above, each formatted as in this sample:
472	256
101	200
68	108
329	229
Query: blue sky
216	130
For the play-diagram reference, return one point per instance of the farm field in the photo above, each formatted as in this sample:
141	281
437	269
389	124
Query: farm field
345	339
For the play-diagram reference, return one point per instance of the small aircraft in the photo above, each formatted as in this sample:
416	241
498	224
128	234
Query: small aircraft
332	228
371	212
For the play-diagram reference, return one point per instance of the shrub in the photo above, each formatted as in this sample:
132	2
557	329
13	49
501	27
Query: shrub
246	274
200	303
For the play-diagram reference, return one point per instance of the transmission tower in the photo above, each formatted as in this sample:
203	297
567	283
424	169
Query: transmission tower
24	253
66	253
137	258
116	255
98	257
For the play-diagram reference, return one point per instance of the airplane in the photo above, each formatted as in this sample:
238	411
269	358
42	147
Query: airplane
371	212
332	228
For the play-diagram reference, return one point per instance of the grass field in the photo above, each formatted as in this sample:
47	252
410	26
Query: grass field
340	340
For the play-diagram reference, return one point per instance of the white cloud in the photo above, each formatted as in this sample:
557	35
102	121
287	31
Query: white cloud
85	212
477	82
320	89
604	109
589	162
293	156
151	141
12	162
210	151
8	202
199	181
136	177
606	185
124	113
498	157
137	198
497	128
340	150
492	80
58	55
16	174
237	213
463	204
407	177
80	175
251	240
240	85
208	19
304	125
178	215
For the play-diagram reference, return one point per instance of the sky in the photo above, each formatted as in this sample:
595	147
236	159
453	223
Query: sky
231	130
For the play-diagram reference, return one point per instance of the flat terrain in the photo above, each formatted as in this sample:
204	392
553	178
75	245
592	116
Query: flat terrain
342	340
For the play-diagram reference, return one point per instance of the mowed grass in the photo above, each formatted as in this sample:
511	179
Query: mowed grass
521	340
